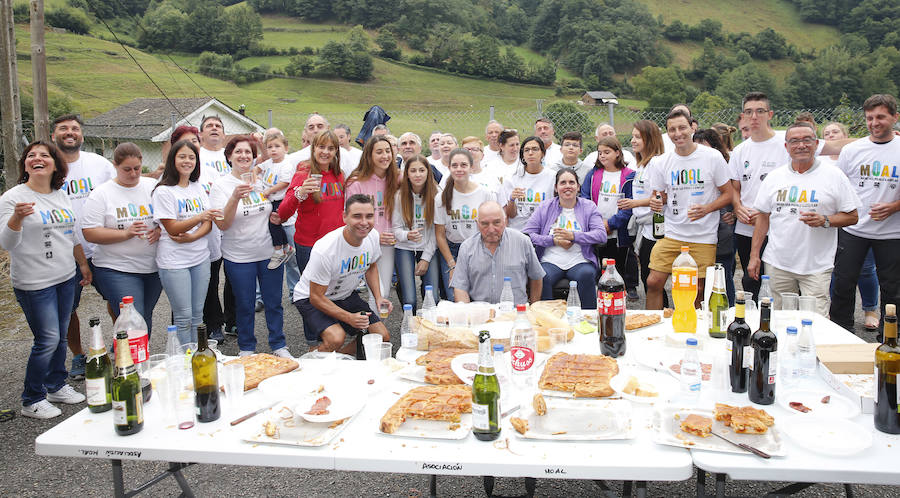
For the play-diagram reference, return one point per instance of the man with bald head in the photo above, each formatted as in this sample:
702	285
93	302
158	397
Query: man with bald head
606	130
315	124
494	253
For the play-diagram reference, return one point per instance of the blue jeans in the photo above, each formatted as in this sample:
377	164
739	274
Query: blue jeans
144	287
867	283
405	263
186	290
584	274
727	261
303	253
243	278
291	270
446	291
47	312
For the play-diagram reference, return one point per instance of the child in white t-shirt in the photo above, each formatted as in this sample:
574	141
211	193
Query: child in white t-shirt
275	175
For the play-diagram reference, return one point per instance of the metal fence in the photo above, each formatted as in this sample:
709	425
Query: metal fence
467	122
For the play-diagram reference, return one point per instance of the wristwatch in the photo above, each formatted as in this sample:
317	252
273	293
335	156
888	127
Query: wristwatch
827	222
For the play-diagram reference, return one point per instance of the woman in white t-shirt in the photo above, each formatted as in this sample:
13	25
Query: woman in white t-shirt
413	227
448	142
530	185
479	175
246	247
509	161
118	217
37	227
456	212
181	206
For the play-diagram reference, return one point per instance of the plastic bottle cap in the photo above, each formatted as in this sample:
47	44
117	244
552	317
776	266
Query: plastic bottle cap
428	288
685	248
691	341
507	279
806	321
792	330
765	277
610	262
498	347
128	299
520	307
171	328
572	283
407	307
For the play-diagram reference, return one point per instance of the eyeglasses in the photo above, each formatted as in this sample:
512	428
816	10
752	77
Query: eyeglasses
758	112
474	149
804	141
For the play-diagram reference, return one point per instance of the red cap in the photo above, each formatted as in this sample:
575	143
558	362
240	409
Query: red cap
520	307
128	299
610	262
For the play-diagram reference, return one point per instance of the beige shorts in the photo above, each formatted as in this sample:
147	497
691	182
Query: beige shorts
666	250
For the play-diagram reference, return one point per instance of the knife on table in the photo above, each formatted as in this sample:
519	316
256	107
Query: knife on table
252	414
744	446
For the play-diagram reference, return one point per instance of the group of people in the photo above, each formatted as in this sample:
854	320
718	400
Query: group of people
330	219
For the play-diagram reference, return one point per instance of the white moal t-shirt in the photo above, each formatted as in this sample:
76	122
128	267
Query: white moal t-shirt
208	176
874	172
565	258
180	203
793	245
214	159
85	174
113	206
461	223
688	180
247	240
750	162
609	194
538	188
272	173
337	264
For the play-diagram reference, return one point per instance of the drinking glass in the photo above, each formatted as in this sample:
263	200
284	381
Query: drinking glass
383	310
808	306
185	408
187	349
558	339
233	378
790	301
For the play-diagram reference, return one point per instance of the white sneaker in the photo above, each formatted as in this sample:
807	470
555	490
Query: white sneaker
246	353
282	353
277	259
43	409
67	395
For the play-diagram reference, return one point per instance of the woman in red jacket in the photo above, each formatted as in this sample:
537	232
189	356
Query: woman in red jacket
318	202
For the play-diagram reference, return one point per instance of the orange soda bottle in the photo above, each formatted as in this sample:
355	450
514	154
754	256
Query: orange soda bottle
684	292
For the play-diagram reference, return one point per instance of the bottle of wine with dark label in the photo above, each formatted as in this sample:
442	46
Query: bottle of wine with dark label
206	379
98	372
738	336
127	400
887	369
765	358
485	393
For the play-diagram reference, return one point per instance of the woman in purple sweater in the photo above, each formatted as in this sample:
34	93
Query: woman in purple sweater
563	230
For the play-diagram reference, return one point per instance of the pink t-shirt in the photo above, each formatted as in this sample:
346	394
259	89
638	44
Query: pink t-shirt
373	187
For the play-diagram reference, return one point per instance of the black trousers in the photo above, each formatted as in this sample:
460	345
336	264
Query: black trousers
626	262
742	244
644	257
214	314
848	261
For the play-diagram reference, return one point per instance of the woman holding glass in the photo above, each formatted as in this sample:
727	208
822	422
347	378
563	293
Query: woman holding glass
413	227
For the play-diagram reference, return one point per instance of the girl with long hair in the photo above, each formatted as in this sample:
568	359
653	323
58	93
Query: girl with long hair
413	227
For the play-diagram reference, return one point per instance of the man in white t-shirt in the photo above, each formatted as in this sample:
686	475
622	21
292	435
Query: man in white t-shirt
212	145
543	129
668	146
873	166
694	184
87	171
326	294
606	130
315	124
434	145
492	135
571	149
800	206
350	156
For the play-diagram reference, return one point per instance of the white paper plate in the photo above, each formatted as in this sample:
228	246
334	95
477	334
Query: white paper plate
345	402
837	406
664	384
291	431
580	420
829	436
667	430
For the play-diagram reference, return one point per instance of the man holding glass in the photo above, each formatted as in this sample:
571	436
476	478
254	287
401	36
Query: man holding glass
801	205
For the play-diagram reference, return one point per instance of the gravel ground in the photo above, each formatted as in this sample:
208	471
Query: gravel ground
27	474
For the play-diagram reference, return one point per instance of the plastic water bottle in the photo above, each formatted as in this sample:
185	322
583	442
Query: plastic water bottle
806	351
499	365
506	296
764	289
428	302
573	305
408	339
691	374
173	345
790	360
522	348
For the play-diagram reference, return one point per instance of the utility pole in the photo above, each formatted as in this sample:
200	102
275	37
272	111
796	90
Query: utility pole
9	95
39	72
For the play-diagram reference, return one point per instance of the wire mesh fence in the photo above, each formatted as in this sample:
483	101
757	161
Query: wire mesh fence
466	122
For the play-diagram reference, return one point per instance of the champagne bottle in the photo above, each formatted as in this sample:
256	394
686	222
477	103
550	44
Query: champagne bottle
98	372
206	379
718	305
659	223
485	393
887	368
127	400
765	359
738	336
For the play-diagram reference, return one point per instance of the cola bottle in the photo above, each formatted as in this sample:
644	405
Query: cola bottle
611	311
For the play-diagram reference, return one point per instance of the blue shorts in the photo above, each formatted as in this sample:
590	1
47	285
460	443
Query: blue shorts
315	321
